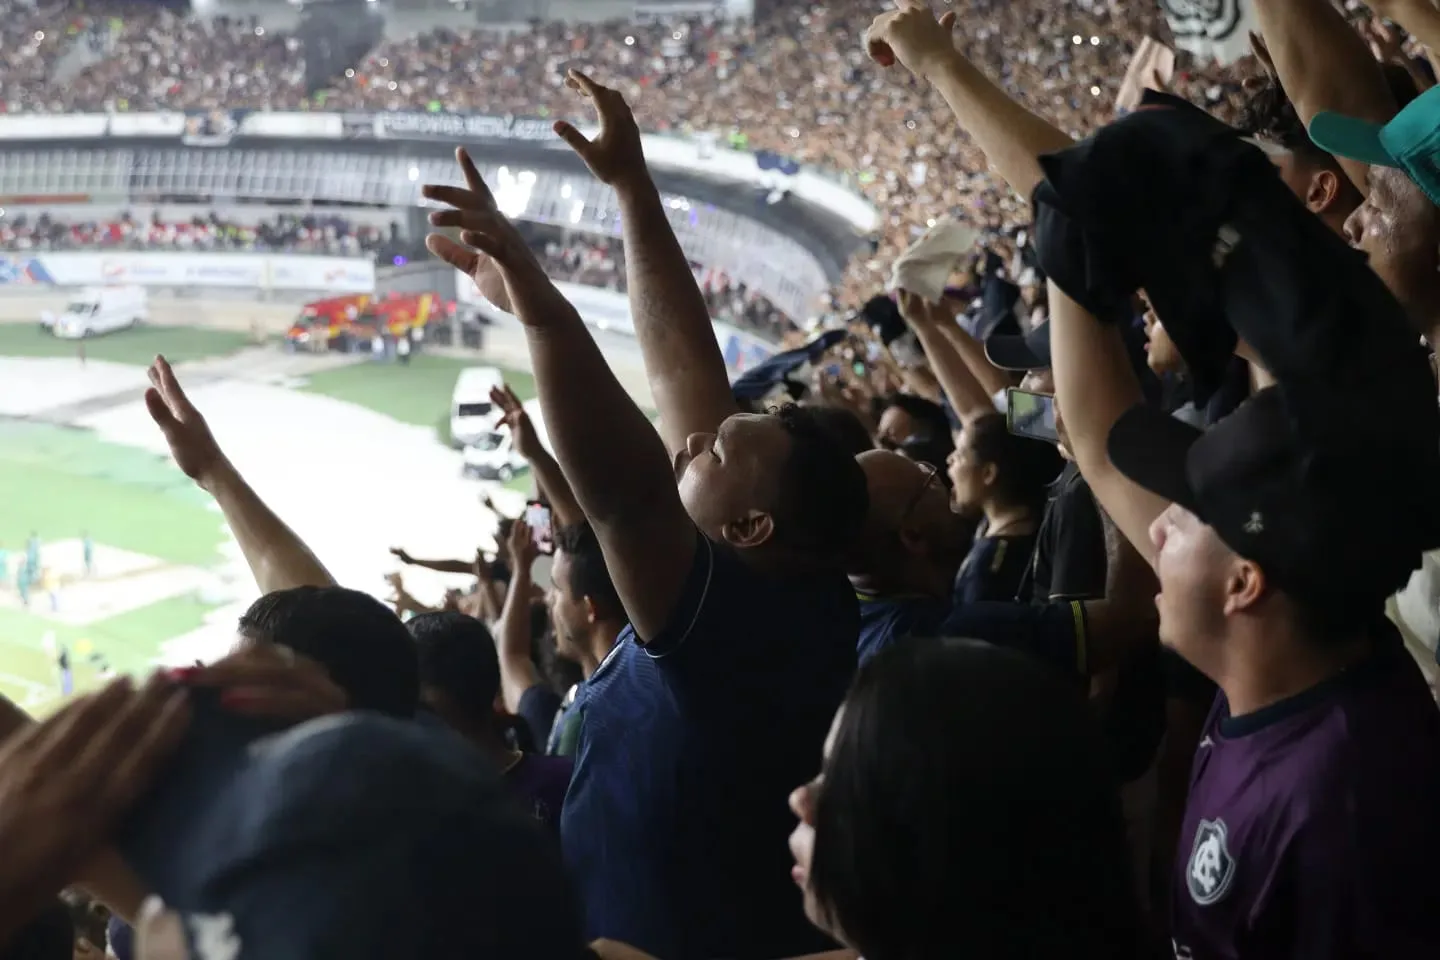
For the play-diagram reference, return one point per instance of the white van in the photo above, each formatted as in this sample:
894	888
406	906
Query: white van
493	457
472	415
97	310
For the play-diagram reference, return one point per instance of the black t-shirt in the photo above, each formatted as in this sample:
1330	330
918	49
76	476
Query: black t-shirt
1069	558
1070	564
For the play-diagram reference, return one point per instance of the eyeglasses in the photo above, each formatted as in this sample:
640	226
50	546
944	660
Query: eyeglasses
932	474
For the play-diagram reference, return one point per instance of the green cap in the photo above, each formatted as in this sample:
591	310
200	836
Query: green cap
1410	142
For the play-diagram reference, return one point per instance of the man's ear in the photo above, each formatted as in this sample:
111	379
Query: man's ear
988	473
590	615
752	530
1323	189
1244	587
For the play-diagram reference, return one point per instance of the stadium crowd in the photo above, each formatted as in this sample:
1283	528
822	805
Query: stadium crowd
600	262
1102	636
793	82
307	233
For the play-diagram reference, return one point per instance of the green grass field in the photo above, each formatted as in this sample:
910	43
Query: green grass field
137	346
129	642
62	483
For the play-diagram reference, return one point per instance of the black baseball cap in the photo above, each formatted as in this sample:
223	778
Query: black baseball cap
1029	351
1307	517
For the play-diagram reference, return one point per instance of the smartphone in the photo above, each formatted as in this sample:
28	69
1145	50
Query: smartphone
542	531
1031	415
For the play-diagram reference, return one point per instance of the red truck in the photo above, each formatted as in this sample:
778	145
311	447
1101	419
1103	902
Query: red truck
352	323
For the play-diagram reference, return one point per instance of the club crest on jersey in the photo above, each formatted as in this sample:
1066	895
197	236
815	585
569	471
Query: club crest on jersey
1211	868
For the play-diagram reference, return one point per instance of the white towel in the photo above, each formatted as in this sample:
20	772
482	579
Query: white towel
928	262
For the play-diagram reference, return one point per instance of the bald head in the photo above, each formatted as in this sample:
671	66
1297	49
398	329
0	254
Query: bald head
894	482
913	541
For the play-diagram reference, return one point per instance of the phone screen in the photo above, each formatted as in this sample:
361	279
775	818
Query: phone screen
1032	415
537	518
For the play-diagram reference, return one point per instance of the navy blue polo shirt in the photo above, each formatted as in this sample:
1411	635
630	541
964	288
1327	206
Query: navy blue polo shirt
1052	632
675	825
884	619
994	568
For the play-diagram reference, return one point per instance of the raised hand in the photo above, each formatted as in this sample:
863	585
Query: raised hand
401	555
1385	43
191	443
911	34
490	251
615	154
268	680
481	567
520	546
66	782
914	309
522	430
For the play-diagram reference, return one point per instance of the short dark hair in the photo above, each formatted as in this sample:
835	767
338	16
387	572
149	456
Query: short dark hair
822	498
1269	114
1024	468
844	426
959	752
457	657
589	574
933	441
356	638
928	414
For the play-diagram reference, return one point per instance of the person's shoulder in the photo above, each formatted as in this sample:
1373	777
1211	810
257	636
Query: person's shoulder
1352	733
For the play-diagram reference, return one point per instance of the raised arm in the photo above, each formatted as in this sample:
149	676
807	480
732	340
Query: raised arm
1011	136
1094	385
682	357
512	630
276	556
967	395
439	566
548	475
619	470
1323	64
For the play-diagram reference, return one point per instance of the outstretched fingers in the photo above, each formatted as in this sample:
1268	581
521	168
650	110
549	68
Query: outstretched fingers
573	138
456	254
160	411
582	84
460	197
473	180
